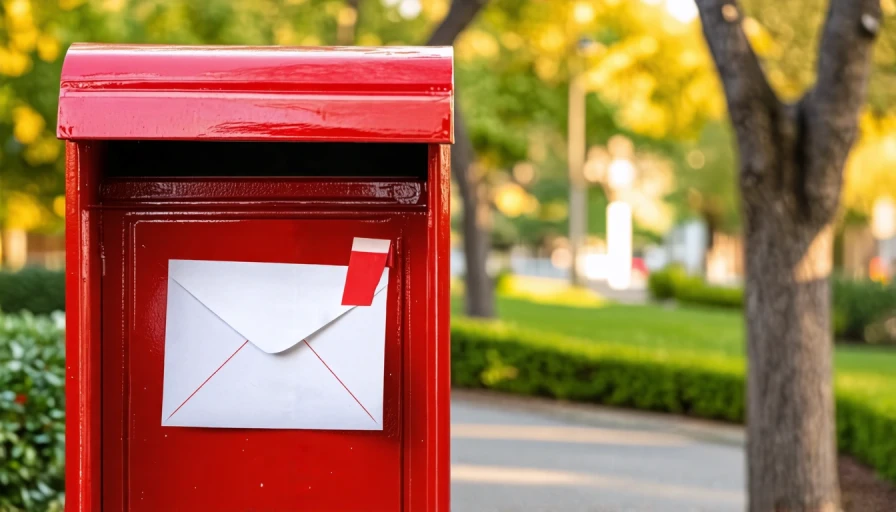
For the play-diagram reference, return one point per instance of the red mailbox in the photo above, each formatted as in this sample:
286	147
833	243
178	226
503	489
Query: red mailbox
281	158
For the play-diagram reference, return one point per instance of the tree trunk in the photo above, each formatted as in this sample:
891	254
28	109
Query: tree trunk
791	175
791	438
479	288
347	23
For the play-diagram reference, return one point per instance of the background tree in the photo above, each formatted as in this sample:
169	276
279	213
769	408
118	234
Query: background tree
480	294
791	173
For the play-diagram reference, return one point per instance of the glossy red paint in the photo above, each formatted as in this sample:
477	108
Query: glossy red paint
121	233
349	94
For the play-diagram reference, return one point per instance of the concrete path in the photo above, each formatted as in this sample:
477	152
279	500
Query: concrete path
511	454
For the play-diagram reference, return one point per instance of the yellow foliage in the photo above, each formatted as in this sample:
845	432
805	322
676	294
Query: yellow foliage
44	150
47	48
552	40
59	206
583	13
24	40
512	41
311	40
546	68
760	39
284	34
13	63
27	124
114	5
869	170
435	10
368	39
23	212
512	200
18	15
68	5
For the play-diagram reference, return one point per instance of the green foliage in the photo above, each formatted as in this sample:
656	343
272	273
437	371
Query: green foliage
861	310
32	412
33	289
674	282
499	357
664	283
495	356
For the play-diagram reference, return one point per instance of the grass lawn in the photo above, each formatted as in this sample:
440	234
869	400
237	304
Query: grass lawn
869	371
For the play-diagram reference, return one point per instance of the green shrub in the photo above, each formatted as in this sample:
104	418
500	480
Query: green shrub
673	282
696	291
861	309
32	412
495	356
663	283
32	289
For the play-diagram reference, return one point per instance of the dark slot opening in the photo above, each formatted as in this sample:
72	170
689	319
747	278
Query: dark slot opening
184	159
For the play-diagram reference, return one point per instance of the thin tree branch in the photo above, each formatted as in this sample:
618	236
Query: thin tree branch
832	107
460	15
752	104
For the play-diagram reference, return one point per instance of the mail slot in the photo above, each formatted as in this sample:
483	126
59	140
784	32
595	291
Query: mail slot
257	278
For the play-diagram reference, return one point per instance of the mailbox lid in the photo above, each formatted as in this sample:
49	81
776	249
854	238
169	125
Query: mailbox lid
340	94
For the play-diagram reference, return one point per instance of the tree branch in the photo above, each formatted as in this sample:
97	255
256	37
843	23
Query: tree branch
832	107
460	15
752	104
480	299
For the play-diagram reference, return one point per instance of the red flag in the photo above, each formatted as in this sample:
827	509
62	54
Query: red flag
365	267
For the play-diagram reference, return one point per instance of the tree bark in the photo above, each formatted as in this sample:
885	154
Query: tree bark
347	23
479	288
791	174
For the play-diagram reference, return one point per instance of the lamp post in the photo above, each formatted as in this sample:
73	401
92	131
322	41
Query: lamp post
578	189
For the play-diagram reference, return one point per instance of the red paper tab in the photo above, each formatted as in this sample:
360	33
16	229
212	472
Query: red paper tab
365	267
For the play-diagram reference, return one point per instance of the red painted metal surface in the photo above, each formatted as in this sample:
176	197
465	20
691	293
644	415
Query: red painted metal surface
122	231
388	94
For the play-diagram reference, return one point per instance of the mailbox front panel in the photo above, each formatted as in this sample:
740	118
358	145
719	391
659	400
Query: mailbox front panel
147	467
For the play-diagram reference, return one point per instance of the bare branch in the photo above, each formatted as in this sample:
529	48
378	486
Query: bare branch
752	104
832	106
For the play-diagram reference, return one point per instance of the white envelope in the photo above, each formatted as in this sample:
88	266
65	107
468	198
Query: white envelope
270	345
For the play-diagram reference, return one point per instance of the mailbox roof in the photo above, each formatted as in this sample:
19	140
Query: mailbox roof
346	94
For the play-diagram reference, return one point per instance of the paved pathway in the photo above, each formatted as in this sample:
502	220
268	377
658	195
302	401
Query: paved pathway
511	454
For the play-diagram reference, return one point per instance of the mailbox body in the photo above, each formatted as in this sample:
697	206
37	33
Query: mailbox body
251	154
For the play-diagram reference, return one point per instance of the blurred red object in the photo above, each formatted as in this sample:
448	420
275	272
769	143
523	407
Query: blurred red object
877	270
21	399
639	265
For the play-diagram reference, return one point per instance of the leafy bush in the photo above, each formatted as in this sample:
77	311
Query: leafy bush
673	282
663	283
696	291
32	412
32	289
861	310
495	356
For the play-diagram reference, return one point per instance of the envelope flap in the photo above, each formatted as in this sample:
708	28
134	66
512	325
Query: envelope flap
273	305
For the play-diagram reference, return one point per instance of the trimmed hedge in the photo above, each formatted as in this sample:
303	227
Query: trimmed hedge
673	282
32	289
495	356
861	310
32	412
